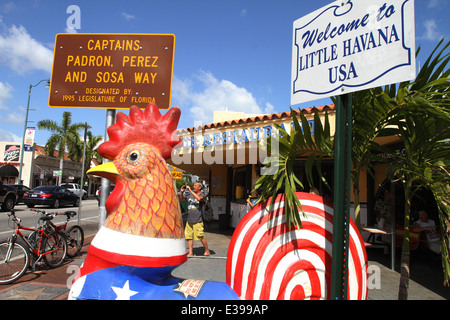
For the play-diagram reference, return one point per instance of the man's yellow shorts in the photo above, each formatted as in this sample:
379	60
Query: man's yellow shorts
194	231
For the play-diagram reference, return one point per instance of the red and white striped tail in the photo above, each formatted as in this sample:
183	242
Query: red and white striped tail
266	260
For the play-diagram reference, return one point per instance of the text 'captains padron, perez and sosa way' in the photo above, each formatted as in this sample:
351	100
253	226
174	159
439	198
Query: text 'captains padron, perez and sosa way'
112	70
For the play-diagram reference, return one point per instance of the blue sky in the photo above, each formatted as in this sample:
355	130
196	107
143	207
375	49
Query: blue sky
228	54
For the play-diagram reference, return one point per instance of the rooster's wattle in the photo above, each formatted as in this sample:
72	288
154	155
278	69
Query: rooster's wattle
142	240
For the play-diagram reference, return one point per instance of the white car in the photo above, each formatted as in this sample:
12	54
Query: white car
75	188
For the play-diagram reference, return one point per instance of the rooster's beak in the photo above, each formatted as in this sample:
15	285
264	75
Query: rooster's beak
106	170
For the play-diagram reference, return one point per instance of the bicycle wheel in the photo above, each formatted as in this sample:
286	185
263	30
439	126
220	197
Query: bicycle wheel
14	261
57	246
75	240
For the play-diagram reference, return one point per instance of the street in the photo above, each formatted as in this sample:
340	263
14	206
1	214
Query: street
88	218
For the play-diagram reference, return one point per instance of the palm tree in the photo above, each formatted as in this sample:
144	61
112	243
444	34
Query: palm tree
300	142
91	149
371	112
64	137
422	123
418	113
422	105
423	165
440	188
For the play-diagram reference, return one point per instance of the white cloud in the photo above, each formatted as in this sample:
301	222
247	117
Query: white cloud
8	7
215	95
180	90
269	108
433	4
13	117
5	95
6	115
128	16
9	136
22	53
431	31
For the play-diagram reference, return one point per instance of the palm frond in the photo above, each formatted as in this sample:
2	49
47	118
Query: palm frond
65	136
291	146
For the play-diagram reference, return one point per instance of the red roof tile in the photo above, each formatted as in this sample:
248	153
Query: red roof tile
265	117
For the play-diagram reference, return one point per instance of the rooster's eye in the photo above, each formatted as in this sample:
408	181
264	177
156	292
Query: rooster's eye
133	156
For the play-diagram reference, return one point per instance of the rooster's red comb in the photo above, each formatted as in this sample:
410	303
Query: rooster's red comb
147	126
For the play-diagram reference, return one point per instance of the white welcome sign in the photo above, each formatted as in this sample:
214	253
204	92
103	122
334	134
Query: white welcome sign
352	45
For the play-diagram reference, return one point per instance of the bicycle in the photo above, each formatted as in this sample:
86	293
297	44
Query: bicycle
15	255
74	235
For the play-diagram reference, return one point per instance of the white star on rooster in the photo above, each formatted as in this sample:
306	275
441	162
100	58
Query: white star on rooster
124	293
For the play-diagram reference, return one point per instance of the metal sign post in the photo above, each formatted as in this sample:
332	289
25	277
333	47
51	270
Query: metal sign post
80	196
111	71
345	47
341	219
105	184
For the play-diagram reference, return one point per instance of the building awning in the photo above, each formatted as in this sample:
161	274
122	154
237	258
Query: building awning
8	171
42	169
70	173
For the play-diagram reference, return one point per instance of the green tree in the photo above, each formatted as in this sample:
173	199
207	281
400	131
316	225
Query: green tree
371	112
418	112
423	165
64	137
422	121
91	150
283	151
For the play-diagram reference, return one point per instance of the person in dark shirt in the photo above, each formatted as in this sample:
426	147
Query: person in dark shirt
194	226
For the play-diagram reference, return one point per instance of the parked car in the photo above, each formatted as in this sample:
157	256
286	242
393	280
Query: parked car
50	195
20	190
8	196
97	193
75	188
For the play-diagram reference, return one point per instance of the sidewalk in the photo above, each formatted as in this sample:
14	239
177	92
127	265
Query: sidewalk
53	284
46	283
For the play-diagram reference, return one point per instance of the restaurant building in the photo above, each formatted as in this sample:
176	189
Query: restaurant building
229	155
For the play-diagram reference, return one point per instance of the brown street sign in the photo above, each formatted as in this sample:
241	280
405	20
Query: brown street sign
112	71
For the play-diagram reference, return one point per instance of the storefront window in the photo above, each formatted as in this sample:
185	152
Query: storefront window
242	183
9	180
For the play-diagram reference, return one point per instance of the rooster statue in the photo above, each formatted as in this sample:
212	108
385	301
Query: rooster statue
142	240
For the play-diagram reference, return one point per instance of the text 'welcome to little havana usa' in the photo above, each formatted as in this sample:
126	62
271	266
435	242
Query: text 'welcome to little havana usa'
351	46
